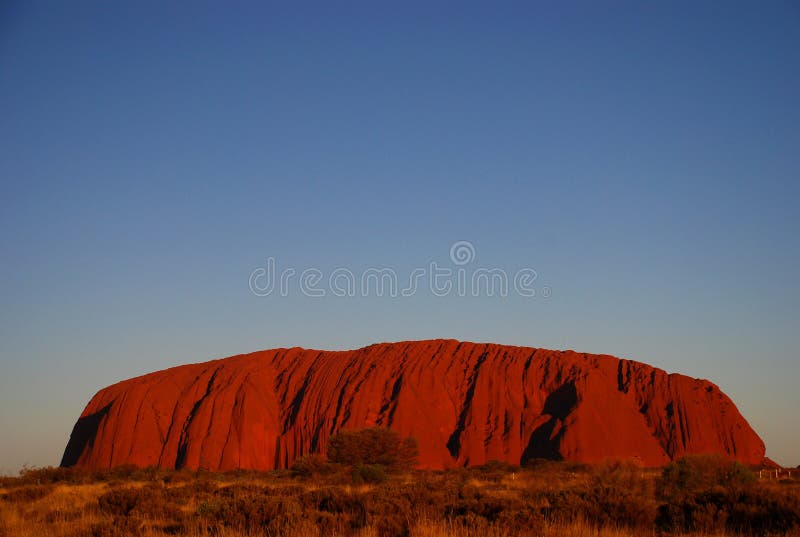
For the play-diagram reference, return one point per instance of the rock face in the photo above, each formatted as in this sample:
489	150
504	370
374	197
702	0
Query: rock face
465	403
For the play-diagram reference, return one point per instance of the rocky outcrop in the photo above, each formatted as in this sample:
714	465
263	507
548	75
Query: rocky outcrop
466	404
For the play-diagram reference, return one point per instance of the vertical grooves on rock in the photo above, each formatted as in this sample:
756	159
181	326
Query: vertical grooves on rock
454	443
465	403
184	441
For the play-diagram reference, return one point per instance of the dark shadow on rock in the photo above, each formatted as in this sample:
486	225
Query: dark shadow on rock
83	435
543	444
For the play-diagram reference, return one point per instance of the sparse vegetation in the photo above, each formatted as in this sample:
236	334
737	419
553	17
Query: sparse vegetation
695	496
710	494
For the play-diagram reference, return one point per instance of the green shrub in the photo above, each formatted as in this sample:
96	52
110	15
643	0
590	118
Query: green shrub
27	493
252	512
376	445
119	502
49	475
757	511
764	510
712	494
696	473
495	470
329	500
615	495
150	502
313	465
621	496
370	473
389	511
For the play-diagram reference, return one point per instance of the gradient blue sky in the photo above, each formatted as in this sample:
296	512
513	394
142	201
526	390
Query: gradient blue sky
642	157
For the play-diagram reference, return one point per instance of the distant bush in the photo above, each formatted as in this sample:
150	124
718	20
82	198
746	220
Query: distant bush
614	495
764	510
621	496
184	492
49	475
27	493
150	502
389	510
118	474
712	494
376	445
332	500
495	470
313	465
252	512
370	473
756	511
549	466
702	473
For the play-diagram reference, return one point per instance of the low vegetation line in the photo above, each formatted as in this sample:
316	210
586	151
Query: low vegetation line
366	487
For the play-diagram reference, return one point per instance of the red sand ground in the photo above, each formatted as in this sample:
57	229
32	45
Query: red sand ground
466	404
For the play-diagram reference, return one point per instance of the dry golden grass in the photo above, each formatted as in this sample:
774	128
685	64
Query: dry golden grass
552	501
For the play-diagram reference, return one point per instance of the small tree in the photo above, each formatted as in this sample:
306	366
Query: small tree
709	494
375	445
698	473
312	465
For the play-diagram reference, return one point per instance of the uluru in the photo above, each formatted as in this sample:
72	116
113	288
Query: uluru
465	403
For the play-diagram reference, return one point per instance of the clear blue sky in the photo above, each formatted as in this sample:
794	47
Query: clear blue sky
643	158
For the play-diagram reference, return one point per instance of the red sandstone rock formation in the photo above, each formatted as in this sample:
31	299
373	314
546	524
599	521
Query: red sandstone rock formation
465	403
